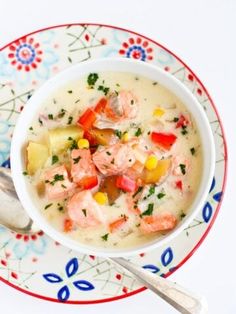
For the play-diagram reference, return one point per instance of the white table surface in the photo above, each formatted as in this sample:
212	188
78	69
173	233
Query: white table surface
202	33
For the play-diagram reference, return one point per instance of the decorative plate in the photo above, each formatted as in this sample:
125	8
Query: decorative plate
37	265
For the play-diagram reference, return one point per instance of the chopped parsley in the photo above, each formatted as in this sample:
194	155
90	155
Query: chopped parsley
76	160
47	206
84	212
104	89
54	159
69	91
117	84
50	116
113	161
61	113
57	177
40	121
138	132
92	79
25	173
154	83
31	128
176	119
182	215
74	144
160	195
105	237
149	210
140	188
118	133
108	153
70	119
182	168
184	130
132	102
151	190
193	150
60	208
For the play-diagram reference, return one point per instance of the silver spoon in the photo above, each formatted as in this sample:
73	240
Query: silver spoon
14	217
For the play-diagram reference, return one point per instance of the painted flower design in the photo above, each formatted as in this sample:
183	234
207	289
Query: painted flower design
4	142
136	48
25	244
71	270
29	58
208	209
25	54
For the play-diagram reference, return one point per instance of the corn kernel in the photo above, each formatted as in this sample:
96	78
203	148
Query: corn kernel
151	162
101	198
125	137
83	143
158	112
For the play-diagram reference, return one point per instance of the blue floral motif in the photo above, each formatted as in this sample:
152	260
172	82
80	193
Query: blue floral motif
154	269
5	144
22	249
167	256
71	270
207	209
27	59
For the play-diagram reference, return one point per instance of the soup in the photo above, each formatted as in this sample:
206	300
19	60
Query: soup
113	160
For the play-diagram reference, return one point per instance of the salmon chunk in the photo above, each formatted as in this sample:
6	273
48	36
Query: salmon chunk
84	210
162	222
82	165
122	106
57	183
114	159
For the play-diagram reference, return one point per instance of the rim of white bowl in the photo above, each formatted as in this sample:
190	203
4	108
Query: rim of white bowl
102	65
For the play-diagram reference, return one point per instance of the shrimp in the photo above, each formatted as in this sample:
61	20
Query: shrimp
57	183
114	159
118	108
84	210
82	165
162	222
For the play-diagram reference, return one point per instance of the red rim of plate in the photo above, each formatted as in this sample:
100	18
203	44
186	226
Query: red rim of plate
223	186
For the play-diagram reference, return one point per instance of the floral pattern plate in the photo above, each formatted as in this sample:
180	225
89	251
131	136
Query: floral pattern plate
37	265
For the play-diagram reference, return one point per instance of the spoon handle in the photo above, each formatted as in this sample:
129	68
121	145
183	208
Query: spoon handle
182	300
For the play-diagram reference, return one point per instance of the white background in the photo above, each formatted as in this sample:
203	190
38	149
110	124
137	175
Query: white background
202	33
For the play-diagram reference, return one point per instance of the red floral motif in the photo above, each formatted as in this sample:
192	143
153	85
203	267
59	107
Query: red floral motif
25	54
118	276
137	48
32	237
125	290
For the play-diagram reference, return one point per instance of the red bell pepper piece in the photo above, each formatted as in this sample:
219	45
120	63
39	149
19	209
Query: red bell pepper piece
89	182
182	122
164	140
179	185
100	106
117	224
87	119
126	184
88	136
68	225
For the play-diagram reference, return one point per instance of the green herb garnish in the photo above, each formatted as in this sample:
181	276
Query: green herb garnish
104	89
40	121
47	206
61	113
60	208
175	119
182	215
108	153
160	195
50	116
76	160
140	188
92	79
31	128
57	177
118	133
182	168
70	119
69	91
74	144
193	150
138	132
149	210
105	237
184	130
151	190
54	159
132	102
25	173
84	212
113	161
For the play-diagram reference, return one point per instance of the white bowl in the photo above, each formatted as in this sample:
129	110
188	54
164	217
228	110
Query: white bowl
76	72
